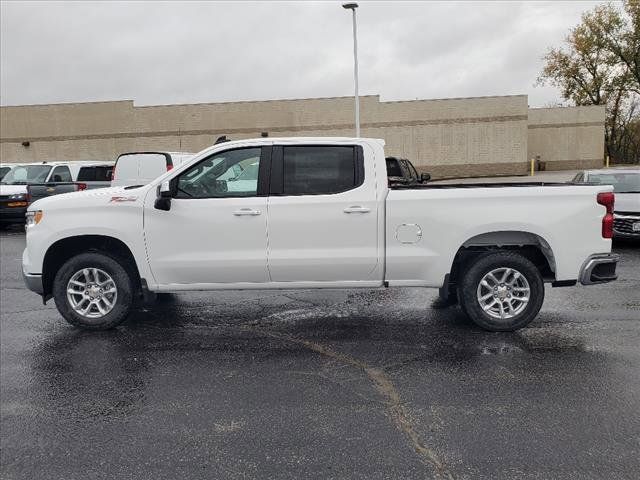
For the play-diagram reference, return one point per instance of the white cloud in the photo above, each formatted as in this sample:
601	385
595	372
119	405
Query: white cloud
185	52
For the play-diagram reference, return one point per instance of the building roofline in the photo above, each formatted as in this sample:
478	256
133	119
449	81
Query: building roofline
65	103
567	107
241	102
453	98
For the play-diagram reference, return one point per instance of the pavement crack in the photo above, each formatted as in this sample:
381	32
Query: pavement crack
384	386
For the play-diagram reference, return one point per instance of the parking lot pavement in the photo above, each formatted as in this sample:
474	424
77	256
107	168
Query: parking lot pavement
329	384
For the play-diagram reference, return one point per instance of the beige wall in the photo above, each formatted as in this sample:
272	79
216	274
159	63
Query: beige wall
448	137
567	138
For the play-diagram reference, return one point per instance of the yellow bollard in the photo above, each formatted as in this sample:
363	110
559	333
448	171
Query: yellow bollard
607	161
533	165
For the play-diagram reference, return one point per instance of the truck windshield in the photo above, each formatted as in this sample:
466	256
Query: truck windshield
25	174
622	182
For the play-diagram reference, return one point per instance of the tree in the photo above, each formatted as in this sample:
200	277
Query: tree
600	65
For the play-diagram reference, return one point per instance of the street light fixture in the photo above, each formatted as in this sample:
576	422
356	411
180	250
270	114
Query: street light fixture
352	7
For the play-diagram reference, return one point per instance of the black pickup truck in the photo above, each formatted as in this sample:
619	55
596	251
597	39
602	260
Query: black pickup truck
14	206
401	171
26	183
36	191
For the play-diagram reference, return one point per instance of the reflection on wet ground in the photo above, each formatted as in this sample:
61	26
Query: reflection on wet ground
329	384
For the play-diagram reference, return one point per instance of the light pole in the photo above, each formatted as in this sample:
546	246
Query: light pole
352	7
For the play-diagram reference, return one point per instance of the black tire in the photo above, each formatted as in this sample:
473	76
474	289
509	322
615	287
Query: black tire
123	282
476	271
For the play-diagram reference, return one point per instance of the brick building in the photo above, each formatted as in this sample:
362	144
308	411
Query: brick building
447	137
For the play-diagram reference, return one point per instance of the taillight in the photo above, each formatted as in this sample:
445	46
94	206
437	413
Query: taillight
607	199
169	167
81	186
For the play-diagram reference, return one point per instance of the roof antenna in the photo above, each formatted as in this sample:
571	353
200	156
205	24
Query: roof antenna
221	139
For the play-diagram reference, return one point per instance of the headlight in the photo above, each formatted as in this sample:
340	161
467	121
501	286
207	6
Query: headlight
18	196
33	217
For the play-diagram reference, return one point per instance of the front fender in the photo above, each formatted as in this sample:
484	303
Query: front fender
123	223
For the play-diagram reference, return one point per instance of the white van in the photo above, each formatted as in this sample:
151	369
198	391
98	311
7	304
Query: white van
139	168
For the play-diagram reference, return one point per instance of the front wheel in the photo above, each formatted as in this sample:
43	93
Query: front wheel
93	291
501	291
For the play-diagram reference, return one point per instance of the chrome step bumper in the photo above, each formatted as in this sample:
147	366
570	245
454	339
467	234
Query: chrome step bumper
599	268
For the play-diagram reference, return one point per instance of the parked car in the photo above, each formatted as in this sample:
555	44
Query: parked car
90	176
5	168
316	216
45	179
626	185
402	171
139	168
95	174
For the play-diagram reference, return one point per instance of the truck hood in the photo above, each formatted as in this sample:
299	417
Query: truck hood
12	189
92	198
627	202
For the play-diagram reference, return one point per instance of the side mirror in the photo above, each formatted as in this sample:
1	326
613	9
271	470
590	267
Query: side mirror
163	201
425	177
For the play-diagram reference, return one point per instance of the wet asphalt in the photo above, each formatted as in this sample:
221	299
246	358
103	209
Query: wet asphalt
322	384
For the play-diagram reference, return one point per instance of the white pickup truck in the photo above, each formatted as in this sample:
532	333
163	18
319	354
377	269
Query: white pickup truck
315	213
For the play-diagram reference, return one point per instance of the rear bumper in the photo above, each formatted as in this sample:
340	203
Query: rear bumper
599	268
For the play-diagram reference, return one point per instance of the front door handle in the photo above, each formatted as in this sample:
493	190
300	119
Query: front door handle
357	209
246	211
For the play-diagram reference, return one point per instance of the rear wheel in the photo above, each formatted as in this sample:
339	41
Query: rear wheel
93	291
501	291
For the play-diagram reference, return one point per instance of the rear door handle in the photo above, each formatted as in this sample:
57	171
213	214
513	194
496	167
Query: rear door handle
357	209
246	211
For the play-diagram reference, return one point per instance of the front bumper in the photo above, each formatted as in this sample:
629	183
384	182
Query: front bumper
599	268
623	225
33	282
12	215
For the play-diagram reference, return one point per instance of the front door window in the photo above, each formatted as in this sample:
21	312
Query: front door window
233	173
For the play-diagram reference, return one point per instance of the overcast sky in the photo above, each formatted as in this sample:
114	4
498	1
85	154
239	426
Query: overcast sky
188	52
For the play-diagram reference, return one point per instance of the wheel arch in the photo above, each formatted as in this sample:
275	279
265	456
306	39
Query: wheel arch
529	245
62	250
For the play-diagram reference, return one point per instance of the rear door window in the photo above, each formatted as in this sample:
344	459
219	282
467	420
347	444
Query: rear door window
318	170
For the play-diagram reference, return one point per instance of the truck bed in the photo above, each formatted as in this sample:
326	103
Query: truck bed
477	185
435	221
